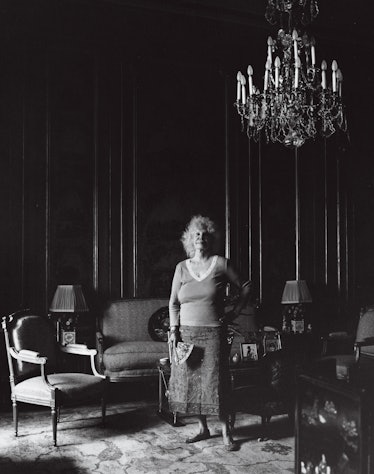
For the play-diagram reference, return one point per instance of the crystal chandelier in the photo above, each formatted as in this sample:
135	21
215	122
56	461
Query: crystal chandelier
299	100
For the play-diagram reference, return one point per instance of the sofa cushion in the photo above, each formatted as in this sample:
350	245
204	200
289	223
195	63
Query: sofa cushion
134	355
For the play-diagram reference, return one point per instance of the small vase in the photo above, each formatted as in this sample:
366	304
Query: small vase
235	358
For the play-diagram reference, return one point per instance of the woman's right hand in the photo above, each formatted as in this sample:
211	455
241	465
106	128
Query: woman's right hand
174	336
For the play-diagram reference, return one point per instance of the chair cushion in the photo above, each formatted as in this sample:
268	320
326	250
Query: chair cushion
71	387
131	374
134	355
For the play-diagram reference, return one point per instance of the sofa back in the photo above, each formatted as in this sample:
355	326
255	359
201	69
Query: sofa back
127	319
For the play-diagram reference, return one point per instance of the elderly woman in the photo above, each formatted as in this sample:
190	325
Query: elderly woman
200	386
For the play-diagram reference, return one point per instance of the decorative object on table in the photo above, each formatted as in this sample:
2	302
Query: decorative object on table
298	101
295	295
235	358
158	324
271	340
249	351
68	301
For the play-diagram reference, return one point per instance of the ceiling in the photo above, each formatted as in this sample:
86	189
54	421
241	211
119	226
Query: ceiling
350	21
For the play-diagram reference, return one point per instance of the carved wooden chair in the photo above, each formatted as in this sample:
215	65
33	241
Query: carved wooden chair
33	356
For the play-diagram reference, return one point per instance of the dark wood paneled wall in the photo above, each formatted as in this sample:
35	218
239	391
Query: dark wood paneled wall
118	125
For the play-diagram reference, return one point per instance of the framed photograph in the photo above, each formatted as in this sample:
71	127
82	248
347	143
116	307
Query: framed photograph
272	342
249	351
67	337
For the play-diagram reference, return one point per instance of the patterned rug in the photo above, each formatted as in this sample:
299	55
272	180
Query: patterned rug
136	441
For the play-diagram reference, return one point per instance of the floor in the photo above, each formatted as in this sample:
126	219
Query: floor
136	440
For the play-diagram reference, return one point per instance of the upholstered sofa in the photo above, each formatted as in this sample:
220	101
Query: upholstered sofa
131	338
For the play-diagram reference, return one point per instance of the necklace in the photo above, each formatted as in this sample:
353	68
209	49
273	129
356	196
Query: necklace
200	266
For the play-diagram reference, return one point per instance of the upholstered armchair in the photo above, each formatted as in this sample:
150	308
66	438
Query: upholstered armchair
34	356
343	353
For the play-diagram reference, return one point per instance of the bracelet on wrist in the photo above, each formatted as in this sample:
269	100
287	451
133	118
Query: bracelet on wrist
174	329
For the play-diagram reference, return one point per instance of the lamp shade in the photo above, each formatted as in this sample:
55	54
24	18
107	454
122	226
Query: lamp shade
296	291
68	299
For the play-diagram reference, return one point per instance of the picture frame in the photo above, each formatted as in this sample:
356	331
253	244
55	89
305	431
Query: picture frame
272	342
248	351
68	337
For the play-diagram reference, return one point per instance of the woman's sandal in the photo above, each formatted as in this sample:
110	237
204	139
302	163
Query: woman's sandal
232	445
199	437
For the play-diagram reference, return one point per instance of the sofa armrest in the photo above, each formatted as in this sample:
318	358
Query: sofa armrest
100	350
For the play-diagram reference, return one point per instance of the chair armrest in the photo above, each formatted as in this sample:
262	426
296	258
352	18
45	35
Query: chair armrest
337	338
33	357
338	335
79	349
82	349
28	356
369	341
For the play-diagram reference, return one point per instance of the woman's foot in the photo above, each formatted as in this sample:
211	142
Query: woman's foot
230	444
199	437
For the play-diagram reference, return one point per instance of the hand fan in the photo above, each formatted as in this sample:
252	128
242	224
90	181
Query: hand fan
182	352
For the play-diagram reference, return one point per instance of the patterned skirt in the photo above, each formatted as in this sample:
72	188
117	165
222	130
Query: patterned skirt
200	385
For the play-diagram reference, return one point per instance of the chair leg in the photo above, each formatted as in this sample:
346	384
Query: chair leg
54	424
265	428
15	417
103	410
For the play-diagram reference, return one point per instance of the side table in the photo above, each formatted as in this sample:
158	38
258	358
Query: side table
244	374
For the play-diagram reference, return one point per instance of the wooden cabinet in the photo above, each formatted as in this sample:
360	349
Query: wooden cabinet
334	426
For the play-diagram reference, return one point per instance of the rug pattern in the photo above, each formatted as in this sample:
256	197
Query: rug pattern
137	441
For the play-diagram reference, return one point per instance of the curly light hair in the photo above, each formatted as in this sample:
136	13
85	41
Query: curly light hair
197	222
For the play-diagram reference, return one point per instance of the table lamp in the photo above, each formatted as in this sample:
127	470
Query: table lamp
295	295
69	302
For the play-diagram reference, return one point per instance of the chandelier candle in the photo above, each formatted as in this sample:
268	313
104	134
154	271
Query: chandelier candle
238	89
250	83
